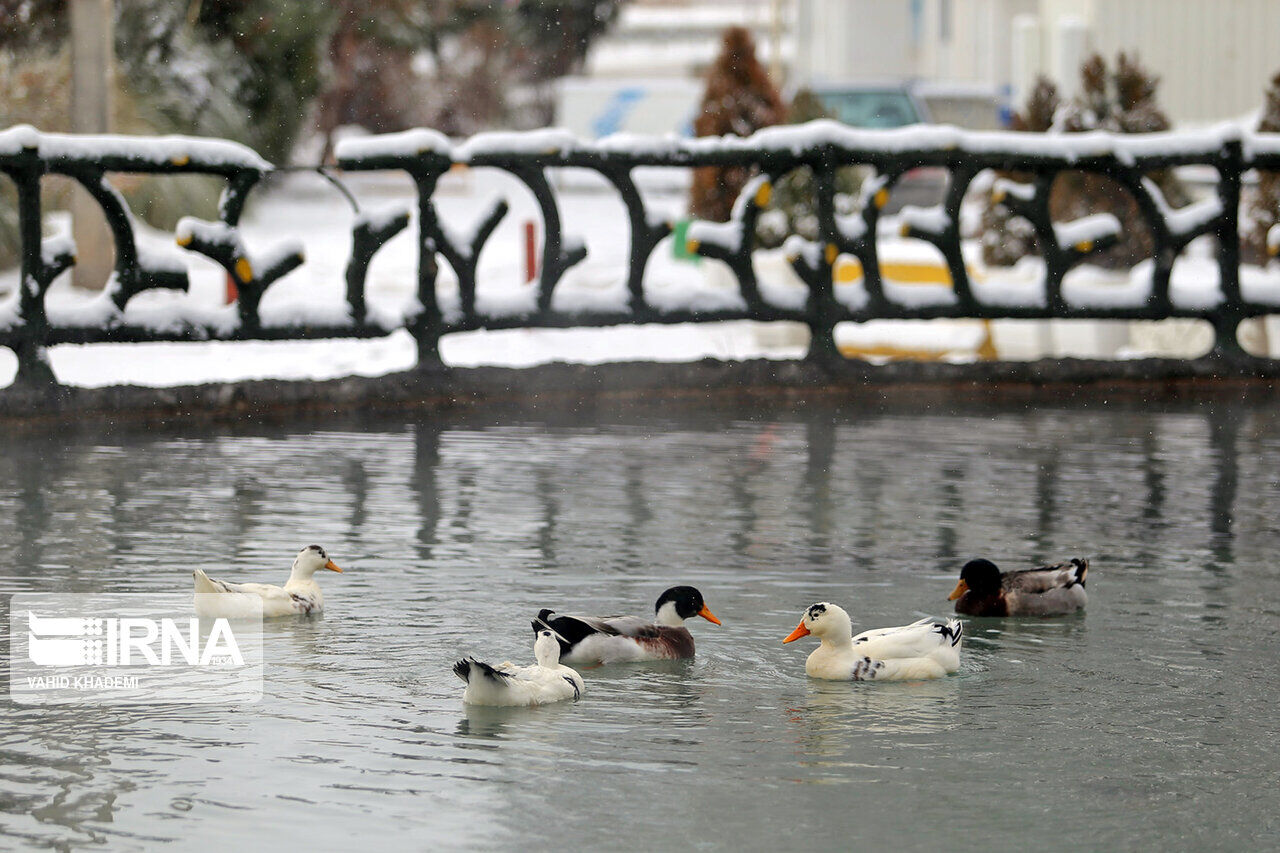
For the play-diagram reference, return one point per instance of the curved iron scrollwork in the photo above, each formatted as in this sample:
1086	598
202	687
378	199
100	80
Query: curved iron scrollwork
823	147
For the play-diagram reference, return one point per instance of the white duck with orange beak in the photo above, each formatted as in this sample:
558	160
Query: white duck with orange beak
922	650
300	596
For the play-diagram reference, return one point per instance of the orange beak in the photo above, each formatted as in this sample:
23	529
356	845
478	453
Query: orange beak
800	631
333	567
961	589
706	613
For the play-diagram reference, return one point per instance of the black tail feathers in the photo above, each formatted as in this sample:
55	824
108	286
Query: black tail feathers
462	669
468	667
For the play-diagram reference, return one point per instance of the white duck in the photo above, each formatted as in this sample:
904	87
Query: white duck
300	596
921	650
507	684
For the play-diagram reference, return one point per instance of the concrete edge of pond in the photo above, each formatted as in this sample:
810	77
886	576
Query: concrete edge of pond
445	388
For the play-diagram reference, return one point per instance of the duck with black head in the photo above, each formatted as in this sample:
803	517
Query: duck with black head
1056	590
616	639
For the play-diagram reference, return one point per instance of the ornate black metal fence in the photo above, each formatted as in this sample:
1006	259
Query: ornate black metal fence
26	156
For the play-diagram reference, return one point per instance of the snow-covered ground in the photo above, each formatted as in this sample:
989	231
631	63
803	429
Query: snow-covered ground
304	207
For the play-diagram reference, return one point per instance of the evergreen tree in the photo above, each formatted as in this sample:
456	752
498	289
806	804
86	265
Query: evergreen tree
280	44
177	79
240	69
1123	101
259	71
1262	207
740	99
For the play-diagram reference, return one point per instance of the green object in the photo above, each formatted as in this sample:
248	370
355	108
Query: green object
680	242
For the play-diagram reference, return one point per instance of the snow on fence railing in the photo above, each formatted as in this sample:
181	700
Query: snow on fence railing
26	156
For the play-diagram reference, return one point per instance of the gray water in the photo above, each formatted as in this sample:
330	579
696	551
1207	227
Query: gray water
1150	720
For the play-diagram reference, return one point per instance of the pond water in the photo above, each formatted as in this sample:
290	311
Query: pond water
1150	720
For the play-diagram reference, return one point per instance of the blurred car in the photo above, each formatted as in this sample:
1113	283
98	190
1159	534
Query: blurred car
889	105
872	106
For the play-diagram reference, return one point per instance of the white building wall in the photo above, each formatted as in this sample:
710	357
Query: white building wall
1060	22
854	40
977	47
1214	57
679	39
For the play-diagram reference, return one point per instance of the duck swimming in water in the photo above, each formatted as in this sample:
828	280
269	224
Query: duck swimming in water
922	650
544	682
300	595
984	590
615	639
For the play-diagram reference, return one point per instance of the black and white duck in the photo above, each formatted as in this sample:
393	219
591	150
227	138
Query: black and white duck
616	639
545	681
926	649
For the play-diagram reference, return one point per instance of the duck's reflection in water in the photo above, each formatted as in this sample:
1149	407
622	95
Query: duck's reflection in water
667	693
1020	640
834	714
495	722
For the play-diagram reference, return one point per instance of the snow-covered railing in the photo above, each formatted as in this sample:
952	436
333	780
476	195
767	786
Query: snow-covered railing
26	156
824	146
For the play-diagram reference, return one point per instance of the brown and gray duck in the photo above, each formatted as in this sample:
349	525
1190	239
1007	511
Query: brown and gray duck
1056	590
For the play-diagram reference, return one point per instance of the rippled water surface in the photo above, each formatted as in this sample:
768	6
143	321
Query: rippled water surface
1149	721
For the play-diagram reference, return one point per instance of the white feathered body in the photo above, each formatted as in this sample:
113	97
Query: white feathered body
544	682
914	652
215	598
508	684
